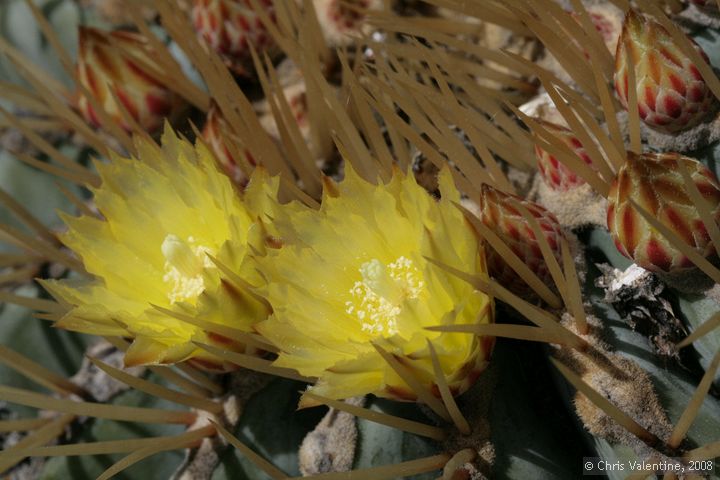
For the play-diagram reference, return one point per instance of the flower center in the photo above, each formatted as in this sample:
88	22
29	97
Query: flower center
378	297
184	265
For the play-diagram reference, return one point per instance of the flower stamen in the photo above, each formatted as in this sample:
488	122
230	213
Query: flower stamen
378	297
184	265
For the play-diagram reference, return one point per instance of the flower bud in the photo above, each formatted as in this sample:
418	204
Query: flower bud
498	212
229	27
671	93
215	133
117	65
607	21
654	182
556	175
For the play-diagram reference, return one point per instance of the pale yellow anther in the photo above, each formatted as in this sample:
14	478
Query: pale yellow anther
184	267
379	296
180	256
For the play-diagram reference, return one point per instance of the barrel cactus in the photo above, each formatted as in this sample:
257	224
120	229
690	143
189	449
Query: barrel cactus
486	247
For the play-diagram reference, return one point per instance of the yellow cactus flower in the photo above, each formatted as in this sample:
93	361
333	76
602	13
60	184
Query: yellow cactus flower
356	273
164	215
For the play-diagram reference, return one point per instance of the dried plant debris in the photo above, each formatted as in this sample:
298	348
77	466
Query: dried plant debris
425	172
640	298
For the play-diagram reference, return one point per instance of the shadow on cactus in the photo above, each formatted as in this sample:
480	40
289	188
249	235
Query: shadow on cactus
366	244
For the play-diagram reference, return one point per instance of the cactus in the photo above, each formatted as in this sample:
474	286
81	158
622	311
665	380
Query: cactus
279	293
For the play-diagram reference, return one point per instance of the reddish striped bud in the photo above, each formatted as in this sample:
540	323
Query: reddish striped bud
672	95
607	23
296	97
498	212
230	26
117	65
654	183
215	133
556	175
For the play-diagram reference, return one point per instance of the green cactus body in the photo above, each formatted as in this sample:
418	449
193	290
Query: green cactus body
696	310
